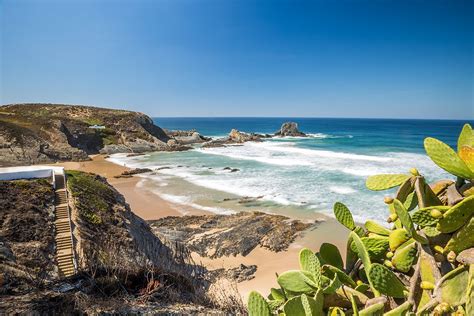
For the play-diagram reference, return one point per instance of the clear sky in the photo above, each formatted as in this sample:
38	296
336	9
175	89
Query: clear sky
401	59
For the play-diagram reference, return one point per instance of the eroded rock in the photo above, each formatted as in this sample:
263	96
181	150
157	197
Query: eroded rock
290	129
215	236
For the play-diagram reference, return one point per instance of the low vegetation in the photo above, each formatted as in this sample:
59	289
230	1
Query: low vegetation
422	264
92	196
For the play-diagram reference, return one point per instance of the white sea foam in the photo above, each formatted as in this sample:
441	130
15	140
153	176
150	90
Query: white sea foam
324	136
319	153
342	189
308	178
186	200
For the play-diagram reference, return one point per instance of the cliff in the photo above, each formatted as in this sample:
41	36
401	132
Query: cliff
41	133
123	266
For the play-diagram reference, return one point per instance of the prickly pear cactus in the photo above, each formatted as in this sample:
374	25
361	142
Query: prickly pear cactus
385	181
376	228
257	306
422	262
446	158
456	216
343	215
385	281
331	255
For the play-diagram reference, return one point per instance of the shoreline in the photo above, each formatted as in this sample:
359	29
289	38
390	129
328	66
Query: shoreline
150	206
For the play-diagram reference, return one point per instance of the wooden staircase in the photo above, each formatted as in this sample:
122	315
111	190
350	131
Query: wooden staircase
65	257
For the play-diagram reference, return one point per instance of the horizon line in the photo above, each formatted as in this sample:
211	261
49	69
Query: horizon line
312	117
199	116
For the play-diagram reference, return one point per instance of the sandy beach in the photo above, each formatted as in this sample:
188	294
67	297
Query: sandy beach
150	206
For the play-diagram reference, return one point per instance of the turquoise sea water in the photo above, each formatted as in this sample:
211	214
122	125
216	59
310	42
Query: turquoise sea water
294	176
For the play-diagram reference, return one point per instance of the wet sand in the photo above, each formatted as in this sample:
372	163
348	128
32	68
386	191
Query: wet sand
150	206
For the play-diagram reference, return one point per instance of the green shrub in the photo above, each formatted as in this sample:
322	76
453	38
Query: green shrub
92	196
423	264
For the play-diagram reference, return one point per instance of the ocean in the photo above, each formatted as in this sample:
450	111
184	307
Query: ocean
294	176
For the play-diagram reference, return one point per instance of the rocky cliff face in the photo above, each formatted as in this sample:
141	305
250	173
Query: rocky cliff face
124	268
39	133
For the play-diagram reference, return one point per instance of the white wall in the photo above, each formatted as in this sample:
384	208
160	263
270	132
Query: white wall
30	172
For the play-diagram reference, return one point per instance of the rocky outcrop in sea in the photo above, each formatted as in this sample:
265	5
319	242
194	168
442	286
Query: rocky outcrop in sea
290	129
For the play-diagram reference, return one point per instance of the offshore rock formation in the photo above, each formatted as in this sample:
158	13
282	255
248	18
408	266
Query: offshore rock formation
42	133
187	137
235	137
290	129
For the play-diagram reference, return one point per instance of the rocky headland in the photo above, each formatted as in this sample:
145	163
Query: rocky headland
43	133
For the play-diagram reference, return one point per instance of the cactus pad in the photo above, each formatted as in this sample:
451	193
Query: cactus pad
453	286
400	310
404	257
386	281
310	263
347	280
456	216
406	221
373	310
462	239
411	202
467	155
376	246
331	255
297	281
333	285
466	137
257	306
397	237
277	294
376	228
431	231
423	218
385	181
343	215
446	158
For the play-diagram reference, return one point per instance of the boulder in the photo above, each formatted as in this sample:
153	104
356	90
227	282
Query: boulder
290	129
241	137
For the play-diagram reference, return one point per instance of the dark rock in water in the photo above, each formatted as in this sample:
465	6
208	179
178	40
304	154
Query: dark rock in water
135	154
215	236
249	199
162	168
129	173
290	129
215	143
231	169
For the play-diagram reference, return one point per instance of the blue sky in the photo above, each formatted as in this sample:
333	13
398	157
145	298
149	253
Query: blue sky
400	59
